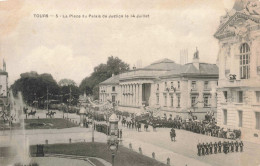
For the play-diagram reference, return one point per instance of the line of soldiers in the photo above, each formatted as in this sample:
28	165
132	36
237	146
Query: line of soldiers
207	148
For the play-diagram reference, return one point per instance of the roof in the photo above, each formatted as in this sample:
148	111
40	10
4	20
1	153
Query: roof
190	69
111	81
164	64
240	5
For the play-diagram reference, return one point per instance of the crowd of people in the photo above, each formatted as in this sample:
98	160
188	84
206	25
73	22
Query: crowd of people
226	146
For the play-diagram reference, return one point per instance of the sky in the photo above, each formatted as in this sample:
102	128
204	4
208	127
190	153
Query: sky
72	47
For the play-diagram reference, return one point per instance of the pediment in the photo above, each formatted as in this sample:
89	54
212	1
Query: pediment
238	24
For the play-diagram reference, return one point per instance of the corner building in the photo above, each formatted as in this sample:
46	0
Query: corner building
239	69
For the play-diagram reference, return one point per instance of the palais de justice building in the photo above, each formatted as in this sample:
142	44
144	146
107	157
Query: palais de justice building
169	87
239	69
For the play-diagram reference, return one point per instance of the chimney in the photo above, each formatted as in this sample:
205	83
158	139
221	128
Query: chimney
196	59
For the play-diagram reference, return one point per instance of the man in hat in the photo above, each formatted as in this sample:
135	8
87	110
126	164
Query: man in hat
232	146
203	149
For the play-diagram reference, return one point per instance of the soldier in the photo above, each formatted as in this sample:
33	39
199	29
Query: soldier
227	146
219	146
210	147
199	149
241	146
207	148
215	148
203	149
232	146
236	144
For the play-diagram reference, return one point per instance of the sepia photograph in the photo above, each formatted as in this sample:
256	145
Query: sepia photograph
130	83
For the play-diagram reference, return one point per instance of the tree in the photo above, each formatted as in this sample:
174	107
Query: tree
66	82
34	86
114	65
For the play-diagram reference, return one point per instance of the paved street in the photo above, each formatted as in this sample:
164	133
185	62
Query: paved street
184	150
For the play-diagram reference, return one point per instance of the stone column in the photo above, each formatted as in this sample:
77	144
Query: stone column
140	95
135	95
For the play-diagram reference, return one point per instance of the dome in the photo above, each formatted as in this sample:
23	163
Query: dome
82	110
113	118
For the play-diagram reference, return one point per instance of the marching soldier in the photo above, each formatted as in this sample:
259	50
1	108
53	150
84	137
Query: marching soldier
207	148
232	146
203	149
219	146
236	144
210	147
241	146
199	149
215	147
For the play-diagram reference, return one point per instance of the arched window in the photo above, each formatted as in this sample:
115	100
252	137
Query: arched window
244	61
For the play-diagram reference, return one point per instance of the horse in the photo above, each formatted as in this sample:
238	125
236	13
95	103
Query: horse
146	127
172	134
32	113
50	114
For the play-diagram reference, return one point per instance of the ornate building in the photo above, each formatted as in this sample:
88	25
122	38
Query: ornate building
169	87
3	85
239	69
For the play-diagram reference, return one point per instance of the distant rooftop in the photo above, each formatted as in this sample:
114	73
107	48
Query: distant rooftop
164	64
112	80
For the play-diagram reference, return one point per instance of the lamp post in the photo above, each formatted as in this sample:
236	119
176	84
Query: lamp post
113	141
92	124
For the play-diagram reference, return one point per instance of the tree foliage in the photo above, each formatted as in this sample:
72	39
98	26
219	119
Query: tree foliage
114	65
34	87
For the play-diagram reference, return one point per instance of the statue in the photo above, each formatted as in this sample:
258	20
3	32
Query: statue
196	54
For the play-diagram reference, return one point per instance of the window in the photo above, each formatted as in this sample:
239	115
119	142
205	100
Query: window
244	61
257	93
158	87
193	85
224	117
171	85
240	96
225	95
206	85
257	120
113	88
193	101
157	98
206	101
179	101
171	100
240	118
165	85
179	85
113	98
165	100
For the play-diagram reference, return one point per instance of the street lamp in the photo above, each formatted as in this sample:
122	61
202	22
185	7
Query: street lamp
113	141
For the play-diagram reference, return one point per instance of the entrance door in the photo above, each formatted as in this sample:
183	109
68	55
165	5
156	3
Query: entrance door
224	117
146	91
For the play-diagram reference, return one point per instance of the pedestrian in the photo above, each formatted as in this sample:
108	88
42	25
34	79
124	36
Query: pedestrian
219	146
118	133
215	148
121	133
241	146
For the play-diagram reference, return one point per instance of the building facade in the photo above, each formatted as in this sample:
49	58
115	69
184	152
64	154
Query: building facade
3	86
239	69
165	86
